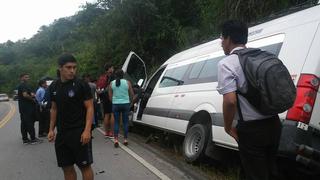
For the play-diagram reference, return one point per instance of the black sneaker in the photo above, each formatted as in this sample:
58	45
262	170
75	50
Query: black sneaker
25	142
36	141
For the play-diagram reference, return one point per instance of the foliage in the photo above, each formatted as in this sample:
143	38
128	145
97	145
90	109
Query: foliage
106	31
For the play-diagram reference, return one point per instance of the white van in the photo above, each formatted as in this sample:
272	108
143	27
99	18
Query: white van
181	96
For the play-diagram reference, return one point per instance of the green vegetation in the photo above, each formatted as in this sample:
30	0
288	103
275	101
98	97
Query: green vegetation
107	30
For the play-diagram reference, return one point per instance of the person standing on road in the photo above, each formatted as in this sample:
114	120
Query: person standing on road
87	78
43	116
27	109
72	113
102	89
120	94
257	135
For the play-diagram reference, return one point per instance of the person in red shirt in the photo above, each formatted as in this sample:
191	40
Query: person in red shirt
102	89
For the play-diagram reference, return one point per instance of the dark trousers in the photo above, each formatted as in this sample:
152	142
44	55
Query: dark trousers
258	146
96	115
27	125
44	120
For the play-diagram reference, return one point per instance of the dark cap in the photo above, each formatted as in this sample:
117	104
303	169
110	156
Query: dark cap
107	66
66	58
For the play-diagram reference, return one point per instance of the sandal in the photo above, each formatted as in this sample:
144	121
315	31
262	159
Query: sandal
116	144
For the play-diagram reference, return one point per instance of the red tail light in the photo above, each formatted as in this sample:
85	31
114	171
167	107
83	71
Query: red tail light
307	89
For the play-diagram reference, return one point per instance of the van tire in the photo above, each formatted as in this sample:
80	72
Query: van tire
195	143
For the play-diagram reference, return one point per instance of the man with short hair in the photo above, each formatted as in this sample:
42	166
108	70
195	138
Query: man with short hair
102	89
27	109
257	135
72	113
43	116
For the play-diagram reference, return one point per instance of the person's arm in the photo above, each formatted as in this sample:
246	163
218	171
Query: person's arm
227	86
229	110
43	92
26	95
86	134
110	94
131	93
53	119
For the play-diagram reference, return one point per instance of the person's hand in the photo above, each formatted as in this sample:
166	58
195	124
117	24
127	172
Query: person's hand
233	132
85	137
51	136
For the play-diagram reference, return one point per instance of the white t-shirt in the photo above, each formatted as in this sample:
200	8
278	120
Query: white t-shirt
230	79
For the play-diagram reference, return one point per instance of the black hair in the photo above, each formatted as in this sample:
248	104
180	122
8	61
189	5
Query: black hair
41	82
58	73
86	75
23	74
66	58
119	75
236	30
107	66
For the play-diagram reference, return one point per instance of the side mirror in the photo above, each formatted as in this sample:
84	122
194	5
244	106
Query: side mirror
139	83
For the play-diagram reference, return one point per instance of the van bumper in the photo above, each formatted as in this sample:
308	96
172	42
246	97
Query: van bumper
293	138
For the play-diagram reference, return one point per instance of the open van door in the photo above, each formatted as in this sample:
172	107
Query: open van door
135	71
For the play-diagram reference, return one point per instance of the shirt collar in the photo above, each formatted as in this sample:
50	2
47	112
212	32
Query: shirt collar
236	48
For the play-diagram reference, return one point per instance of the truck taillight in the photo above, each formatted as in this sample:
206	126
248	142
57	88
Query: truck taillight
307	89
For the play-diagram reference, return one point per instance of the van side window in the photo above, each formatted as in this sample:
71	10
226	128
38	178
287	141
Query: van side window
271	44
210	69
273	48
207	71
174	76
204	71
196	69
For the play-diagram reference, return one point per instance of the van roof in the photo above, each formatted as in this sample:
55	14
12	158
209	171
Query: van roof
255	32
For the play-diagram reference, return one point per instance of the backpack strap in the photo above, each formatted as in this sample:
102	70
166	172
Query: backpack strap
238	106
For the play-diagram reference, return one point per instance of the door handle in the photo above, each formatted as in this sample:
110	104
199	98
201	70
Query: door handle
176	95
182	95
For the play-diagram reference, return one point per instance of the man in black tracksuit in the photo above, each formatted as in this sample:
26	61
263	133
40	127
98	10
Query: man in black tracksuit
72	113
27	109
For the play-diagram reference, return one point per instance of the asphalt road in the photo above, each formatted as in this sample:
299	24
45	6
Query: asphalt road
38	162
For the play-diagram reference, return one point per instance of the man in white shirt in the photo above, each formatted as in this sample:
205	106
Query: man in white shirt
257	135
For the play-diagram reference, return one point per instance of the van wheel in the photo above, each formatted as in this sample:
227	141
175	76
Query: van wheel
195	143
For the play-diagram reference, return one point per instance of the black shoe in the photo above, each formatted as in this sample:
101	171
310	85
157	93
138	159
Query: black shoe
25	142
35	141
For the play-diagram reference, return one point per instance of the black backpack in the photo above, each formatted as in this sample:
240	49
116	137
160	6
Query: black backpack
270	87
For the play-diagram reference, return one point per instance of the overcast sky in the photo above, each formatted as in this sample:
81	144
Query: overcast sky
22	18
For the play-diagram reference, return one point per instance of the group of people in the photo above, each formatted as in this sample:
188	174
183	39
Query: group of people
117	95
73	103
72	112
